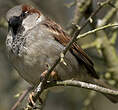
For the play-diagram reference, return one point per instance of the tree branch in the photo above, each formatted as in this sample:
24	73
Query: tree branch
82	84
95	30
80	9
21	98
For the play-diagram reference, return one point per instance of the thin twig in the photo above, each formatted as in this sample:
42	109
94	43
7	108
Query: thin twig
95	30
21	98
77	32
109	15
80	8
82	84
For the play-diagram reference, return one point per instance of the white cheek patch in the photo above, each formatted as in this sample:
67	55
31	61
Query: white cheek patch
31	21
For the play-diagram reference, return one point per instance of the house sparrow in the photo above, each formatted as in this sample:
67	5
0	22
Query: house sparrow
34	42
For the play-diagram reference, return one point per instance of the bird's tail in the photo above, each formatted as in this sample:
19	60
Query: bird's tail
112	98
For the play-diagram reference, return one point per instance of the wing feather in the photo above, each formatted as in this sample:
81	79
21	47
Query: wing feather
76	50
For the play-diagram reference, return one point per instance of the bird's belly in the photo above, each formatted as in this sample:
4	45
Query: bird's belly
31	71
28	68
34	61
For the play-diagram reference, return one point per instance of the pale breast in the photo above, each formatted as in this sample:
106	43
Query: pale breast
40	50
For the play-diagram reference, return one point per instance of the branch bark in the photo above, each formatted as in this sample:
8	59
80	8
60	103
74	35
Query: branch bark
21	98
82	84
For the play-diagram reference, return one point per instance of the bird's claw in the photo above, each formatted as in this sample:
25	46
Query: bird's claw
31	100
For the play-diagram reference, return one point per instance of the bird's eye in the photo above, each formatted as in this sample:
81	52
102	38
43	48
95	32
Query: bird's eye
24	14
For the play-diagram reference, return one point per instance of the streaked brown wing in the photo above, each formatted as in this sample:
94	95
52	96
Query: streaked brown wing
76	50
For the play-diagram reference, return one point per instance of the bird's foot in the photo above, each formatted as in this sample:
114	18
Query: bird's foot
31	100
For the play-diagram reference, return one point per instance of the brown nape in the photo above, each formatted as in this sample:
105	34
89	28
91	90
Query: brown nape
26	8
29	9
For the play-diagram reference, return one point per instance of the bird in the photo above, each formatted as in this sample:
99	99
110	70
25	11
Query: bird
35	41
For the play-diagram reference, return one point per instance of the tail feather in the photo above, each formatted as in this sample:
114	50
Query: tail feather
112	98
